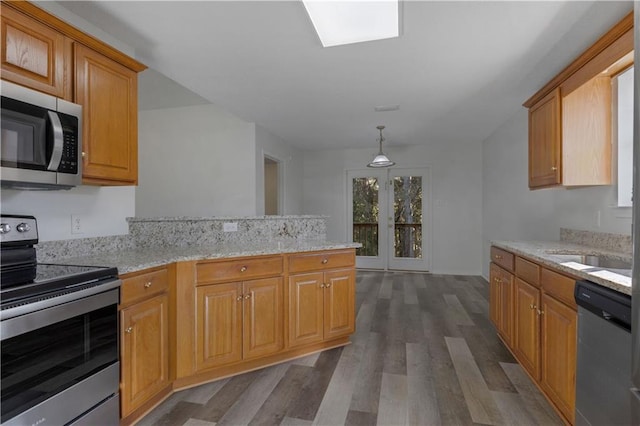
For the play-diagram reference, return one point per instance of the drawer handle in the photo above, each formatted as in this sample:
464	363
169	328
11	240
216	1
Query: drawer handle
532	306
325	261
243	269
148	284
498	257
128	330
554	168
247	297
239	298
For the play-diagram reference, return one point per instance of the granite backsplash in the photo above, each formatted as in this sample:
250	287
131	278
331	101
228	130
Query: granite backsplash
189	231
602	240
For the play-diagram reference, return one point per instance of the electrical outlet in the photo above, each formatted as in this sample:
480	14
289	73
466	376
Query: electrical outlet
230	226
76	224
598	218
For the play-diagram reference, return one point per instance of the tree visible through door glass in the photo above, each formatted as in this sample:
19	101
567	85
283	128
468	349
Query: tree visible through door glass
365	215
407	213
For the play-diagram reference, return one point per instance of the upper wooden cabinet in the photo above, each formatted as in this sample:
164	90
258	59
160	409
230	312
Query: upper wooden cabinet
570	117
35	55
108	93
42	52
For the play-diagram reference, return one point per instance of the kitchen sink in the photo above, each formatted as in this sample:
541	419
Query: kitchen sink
597	261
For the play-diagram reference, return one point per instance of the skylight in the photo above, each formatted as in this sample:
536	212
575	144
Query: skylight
346	22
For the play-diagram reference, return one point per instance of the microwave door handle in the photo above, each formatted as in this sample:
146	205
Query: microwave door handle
58	141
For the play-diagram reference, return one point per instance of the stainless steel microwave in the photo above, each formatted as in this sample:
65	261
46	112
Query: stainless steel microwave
41	140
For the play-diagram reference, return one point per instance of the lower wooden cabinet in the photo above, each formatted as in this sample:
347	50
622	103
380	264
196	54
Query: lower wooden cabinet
144	339
558	350
501	293
544	325
321	306
238	321
526	344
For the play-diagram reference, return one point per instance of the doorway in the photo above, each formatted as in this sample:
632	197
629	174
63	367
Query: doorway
389	214
271	187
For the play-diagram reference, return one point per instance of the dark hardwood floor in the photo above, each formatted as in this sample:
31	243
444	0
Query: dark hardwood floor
424	353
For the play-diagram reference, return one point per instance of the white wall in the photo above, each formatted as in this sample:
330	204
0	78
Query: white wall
290	164
103	210
195	161
510	211
456	173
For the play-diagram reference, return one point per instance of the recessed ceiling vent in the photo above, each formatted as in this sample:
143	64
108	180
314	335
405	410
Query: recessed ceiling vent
385	108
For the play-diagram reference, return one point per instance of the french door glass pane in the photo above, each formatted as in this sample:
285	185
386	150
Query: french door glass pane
407	214
365	215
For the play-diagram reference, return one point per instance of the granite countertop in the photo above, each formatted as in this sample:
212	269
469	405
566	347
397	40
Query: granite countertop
134	260
565	257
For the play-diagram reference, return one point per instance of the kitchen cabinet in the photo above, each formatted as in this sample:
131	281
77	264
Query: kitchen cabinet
45	53
237	321
321	298
35	55
570	117
544	325
239	310
501	294
144	337
108	93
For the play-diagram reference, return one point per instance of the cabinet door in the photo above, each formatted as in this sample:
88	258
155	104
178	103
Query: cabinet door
339	303
108	93
306	308
219	325
527	327
506	318
263	317
559	354
34	55
494	294
545	149
145	351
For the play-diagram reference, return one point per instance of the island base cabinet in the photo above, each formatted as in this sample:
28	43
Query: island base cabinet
559	331
238	321
321	306
145	366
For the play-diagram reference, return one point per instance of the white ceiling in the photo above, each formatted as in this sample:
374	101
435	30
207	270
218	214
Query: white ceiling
458	71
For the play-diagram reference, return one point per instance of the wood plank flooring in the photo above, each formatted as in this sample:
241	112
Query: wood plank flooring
424	353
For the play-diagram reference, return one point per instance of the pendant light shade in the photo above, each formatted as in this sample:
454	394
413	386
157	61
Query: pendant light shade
381	160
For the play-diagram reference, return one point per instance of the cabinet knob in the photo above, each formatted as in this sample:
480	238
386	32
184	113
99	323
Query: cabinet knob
328	285
128	330
247	297
325	261
532	306
243	269
239	298
322	285
498	257
540	312
84	154
554	168
148	284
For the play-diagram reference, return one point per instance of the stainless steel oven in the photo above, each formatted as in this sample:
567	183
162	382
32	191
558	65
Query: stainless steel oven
41	140
59	349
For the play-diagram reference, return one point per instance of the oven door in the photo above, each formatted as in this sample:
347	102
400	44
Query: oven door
61	362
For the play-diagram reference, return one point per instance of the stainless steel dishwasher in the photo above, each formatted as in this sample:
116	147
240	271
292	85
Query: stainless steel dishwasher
603	375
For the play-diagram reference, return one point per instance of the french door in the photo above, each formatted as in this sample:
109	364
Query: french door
388	213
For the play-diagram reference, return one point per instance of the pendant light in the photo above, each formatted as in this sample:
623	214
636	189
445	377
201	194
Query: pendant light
381	160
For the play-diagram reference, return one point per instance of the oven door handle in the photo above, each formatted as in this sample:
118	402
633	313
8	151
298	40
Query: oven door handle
58	141
54	310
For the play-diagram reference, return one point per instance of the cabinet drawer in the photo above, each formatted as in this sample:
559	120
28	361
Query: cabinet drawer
528	271
502	258
144	285
559	286
321	260
238	270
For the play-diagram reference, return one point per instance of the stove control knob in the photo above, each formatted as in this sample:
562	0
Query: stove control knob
4	228
23	227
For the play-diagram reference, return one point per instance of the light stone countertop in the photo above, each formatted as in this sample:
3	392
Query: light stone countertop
559	256
138	259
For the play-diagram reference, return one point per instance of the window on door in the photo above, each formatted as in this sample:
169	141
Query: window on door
387	211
